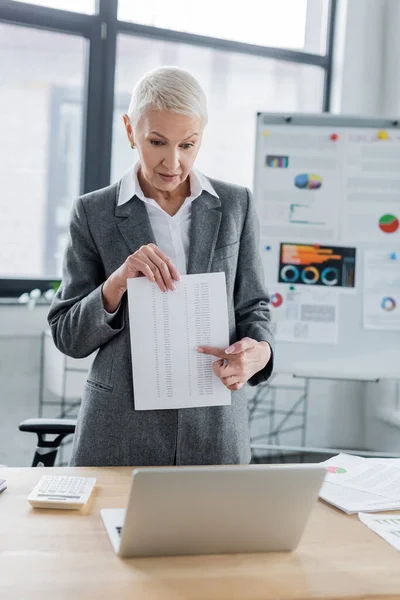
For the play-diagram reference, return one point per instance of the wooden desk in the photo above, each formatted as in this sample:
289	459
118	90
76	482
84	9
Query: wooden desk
67	555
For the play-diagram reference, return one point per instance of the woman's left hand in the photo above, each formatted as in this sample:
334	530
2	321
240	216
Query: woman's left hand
239	362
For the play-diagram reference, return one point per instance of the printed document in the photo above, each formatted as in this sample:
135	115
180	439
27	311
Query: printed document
387	526
355	484
382	289
376	476
305	314
165	330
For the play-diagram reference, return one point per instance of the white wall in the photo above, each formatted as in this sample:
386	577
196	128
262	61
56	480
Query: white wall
367	66
359	56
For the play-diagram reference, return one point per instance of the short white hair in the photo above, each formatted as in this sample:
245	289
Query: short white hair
168	88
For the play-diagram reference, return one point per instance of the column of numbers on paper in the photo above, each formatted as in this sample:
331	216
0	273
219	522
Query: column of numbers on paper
203	338
156	345
188	344
167	346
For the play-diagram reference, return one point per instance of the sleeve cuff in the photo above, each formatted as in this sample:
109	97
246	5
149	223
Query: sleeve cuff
110	316
266	372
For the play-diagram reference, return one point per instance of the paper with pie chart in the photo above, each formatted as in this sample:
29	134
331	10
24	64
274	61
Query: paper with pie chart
382	289
373	222
314	265
353	483
307	315
372	189
376	476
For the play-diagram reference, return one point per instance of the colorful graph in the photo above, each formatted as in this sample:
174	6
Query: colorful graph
388	304
276	300
336	470
277	162
289	274
330	276
308	181
389	521
307	264
389	223
310	275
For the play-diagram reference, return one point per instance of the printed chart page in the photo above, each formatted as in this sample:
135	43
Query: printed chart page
387	526
165	330
375	476
299	188
372	184
305	314
382	289
345	471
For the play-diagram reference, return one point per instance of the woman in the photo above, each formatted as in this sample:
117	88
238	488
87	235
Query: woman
161	220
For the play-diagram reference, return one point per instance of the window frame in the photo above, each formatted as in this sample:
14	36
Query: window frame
101	30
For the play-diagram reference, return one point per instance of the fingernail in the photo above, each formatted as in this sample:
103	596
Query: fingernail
199	349
229	350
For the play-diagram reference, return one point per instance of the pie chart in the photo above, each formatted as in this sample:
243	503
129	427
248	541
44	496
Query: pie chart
308	181
389	223
336	470
290	273
388	304
276	300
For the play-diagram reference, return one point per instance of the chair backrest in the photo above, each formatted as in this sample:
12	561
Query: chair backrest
46	450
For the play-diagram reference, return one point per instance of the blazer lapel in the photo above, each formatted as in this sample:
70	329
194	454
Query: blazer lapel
204	230
134	224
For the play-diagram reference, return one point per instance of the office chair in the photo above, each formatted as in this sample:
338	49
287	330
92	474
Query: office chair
46	450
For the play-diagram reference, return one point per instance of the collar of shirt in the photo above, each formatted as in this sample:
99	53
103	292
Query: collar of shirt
130	187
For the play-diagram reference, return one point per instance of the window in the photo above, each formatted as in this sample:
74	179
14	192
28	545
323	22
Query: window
295	24
236	85
41	109
80	6
263	55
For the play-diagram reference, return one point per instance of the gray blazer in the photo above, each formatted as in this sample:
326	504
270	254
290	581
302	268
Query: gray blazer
224	236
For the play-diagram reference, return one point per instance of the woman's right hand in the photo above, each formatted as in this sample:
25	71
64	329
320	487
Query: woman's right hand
149	261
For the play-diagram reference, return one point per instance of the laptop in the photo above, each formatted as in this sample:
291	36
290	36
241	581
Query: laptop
214	509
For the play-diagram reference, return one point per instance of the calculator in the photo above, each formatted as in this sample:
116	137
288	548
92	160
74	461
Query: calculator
54	491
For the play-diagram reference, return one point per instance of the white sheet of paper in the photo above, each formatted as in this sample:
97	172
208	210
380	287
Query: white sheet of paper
353	501
287	209
305	314
337	491
382	289
380	477
165	329
372	187
387	526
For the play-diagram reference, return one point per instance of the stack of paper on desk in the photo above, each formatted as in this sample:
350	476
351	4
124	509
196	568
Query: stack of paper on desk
355	484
